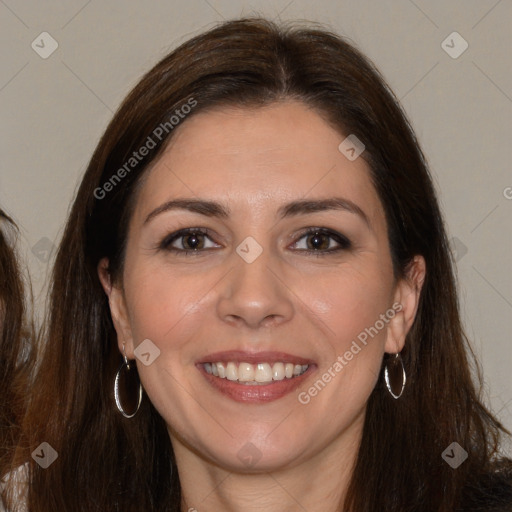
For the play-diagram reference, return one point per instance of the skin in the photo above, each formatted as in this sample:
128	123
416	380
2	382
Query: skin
286	300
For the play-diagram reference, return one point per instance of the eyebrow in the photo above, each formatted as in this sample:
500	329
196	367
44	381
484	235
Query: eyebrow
292	209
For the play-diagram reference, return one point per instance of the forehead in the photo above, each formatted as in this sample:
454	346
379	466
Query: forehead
258	158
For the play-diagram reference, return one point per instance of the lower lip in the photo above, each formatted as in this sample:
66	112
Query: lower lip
258	393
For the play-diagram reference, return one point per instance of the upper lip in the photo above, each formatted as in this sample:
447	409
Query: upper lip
242	356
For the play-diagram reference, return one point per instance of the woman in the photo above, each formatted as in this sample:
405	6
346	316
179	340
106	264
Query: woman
258	240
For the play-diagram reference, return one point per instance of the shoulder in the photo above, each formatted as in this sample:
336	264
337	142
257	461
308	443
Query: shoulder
490	491
15	484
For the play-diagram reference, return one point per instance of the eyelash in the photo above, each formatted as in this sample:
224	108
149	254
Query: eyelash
343	241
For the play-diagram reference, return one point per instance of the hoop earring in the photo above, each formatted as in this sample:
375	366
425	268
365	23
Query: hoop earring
395	367
123	374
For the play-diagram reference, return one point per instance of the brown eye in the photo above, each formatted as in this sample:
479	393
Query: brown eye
320	240
191	240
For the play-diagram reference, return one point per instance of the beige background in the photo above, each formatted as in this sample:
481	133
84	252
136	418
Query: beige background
54	110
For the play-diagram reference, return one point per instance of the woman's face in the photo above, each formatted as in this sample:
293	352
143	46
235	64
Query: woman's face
258	292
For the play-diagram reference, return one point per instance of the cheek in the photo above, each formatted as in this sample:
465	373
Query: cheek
352	352
351	304
348	300
164	309
160	304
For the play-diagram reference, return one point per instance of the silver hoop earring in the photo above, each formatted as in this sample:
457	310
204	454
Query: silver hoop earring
126	380
394	372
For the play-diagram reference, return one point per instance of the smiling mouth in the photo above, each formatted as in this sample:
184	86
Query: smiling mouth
255	374
255	377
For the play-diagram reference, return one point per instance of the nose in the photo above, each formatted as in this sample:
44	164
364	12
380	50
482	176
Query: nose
256	294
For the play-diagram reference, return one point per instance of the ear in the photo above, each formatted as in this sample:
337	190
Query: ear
118	309
406	300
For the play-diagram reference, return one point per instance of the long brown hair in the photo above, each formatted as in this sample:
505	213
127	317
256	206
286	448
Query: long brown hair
15	337
106	462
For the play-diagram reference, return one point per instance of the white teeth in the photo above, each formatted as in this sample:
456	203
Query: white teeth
263	373
221	369
255	374
278	371
231	371
245	372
